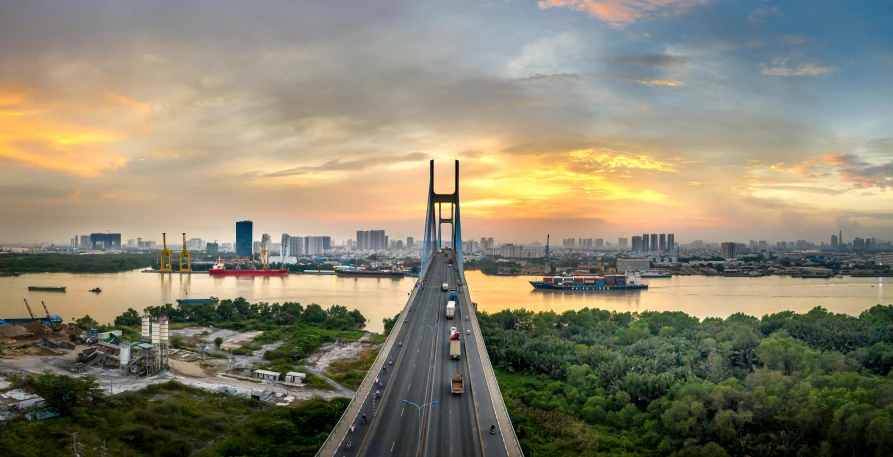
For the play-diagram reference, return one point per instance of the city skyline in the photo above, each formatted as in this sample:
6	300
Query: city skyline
712	120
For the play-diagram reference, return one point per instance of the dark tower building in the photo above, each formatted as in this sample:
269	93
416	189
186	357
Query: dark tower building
244	235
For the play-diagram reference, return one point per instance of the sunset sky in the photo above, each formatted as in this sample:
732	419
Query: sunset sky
715	120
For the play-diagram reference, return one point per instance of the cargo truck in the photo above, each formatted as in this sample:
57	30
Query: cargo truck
445	287
450	309
453	295
455	347
458	385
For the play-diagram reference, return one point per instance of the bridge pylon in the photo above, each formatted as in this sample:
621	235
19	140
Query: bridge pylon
435	219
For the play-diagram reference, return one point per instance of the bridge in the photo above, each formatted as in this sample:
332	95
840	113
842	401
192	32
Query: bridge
415	412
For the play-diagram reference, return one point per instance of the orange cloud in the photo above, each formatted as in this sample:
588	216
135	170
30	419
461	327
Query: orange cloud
621	12
128	102
37	141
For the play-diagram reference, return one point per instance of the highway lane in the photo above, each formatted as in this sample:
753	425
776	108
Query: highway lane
372	406
493	445
396	428
451	427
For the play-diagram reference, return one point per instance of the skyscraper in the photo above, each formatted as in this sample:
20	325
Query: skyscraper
295	246
663	242
729	250
410	242
840	241
644	246
834	242
654	244
622	242
283	245
244	235
671	242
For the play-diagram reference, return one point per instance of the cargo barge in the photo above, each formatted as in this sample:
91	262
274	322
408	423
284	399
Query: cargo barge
182	301
48	288
656	274
608	282
351	273
220	270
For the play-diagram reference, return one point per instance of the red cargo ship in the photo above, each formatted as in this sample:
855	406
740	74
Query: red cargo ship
220	270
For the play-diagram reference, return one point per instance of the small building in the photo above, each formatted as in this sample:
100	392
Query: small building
295	377
2	421
104	336
267	375
19	399
624	265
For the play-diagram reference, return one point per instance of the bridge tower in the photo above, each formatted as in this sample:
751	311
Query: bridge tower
434	220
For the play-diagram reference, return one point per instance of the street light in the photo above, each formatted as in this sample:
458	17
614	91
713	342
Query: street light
420	407
431	327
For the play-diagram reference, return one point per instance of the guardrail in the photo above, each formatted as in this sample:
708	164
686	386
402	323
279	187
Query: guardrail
353	408
490	374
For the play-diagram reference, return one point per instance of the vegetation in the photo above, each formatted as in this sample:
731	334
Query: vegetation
594	382
350	372
175	420
69	263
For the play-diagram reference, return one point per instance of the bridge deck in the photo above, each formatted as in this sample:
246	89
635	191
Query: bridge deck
458	425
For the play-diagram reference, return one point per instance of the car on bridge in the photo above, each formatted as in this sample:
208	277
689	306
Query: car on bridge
445	287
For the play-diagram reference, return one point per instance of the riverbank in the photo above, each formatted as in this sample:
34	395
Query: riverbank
74	263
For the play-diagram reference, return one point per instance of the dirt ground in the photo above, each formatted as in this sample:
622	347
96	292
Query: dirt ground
185	365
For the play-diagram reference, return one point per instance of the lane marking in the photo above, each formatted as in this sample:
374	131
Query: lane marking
392	445
401	411
410	385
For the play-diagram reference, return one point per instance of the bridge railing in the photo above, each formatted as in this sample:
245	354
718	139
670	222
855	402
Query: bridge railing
330	447
513	449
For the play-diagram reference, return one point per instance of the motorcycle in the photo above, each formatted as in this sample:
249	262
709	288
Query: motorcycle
400	343
348	446
493	430
364	419
391	361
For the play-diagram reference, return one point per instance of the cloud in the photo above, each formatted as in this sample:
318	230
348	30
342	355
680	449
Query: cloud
608	160
807	69
659	82
622	12
347	165
471	154
653	60
128	102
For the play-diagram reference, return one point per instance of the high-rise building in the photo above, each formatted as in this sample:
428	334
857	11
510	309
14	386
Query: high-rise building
599	243
840	242
663	242
84	242
637	244
671	242
284	244
729	250
194	244
295	246
105	241
315	245
212	249
654	243
244	238
410	242
834	242
644	246
763	245
622	242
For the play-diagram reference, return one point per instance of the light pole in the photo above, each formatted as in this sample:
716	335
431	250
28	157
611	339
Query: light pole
432	327
420	414
420	408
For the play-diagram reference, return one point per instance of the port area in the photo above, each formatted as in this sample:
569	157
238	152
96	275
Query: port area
176	272
201	364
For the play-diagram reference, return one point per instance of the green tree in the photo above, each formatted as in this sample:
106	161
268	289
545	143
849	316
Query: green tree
65	393
86	323
218	341
129	318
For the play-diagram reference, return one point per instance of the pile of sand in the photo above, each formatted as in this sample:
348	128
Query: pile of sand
37	328
12	331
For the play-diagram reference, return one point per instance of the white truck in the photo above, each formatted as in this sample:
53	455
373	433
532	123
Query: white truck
445	287
450	309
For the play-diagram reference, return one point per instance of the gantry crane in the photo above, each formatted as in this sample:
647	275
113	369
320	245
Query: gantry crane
185	253
264	257
166	265
31	313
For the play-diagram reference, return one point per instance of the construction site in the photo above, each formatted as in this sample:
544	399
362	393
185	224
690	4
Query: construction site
143	358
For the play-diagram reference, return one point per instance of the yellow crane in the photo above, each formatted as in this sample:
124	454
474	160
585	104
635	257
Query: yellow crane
264	257
185	253
166	265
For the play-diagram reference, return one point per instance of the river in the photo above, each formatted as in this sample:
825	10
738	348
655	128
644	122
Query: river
699	296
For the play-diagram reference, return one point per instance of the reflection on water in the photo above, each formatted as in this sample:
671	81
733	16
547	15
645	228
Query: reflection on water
380	298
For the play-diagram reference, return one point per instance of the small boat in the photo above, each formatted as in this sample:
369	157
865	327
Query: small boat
9	273
96	289
48	288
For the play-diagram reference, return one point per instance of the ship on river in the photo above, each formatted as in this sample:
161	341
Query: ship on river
220	270
351	272
630	281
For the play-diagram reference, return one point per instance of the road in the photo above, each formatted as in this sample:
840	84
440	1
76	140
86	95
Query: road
420	374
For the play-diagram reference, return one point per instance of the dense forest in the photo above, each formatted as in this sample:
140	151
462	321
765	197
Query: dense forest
594	382
69	263
169	420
